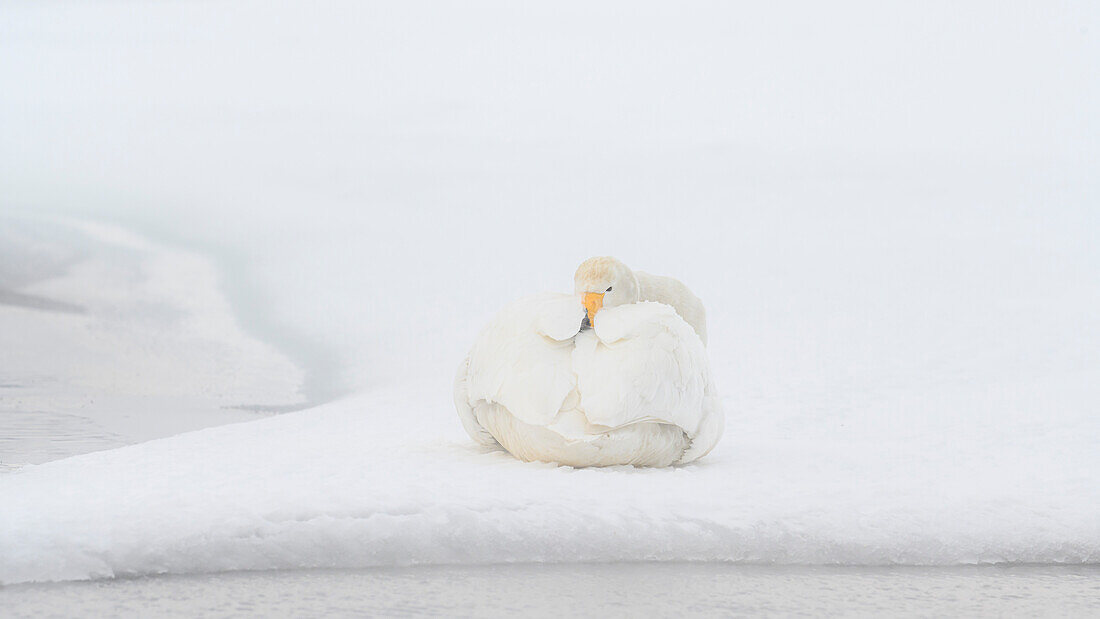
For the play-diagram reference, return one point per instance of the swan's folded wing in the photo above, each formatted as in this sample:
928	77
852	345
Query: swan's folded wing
642	362
465	411
710	430
522	358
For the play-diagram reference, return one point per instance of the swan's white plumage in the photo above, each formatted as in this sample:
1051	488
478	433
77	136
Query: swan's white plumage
673	292
635	389
522	360
641	358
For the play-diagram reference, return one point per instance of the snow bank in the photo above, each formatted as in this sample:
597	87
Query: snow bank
388	479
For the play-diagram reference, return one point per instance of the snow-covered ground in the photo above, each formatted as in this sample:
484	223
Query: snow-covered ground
387	478
890	214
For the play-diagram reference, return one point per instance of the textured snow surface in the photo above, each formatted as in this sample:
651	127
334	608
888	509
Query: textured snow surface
389	479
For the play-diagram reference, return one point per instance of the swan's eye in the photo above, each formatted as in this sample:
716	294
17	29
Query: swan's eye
609	289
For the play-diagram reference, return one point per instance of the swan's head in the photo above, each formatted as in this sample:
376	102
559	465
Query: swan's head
604	282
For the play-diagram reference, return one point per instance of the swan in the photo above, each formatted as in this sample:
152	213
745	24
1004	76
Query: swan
593	378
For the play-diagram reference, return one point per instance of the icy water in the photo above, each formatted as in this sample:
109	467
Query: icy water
660	589
33	437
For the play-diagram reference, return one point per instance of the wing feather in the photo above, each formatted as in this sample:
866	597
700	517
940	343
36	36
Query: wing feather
641	362
522	359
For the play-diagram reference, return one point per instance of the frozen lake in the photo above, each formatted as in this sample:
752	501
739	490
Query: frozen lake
608	590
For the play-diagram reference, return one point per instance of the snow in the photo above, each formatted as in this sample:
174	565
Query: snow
890	214
951	462
389	479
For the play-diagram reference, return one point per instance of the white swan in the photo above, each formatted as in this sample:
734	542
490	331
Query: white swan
634	389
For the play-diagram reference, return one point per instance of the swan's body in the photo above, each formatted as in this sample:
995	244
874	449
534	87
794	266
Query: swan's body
634	389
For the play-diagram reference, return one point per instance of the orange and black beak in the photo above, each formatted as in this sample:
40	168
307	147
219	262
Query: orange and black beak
593	301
